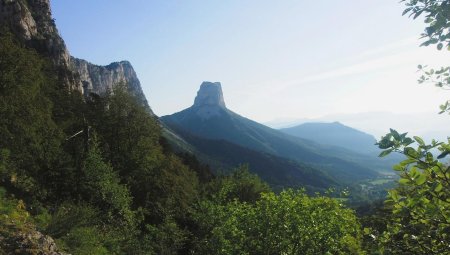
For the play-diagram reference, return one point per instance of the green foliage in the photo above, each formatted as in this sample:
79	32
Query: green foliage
440	78
240	184
76	228
26	125
128	132
4	165
102	187
159	182
12	212
419	222
68	216
166	238
203	171
84	240
437	18
288	223
421	204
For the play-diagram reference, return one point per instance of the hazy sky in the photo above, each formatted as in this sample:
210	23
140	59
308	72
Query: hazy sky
275	59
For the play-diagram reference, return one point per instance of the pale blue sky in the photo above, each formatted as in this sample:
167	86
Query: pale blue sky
275	59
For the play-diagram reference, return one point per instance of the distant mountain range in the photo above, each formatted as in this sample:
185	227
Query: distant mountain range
335	134
430	126
209	127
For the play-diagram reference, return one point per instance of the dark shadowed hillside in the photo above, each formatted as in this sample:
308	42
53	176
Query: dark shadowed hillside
277	171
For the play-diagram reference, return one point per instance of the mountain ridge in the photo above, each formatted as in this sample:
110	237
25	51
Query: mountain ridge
101	79
336	134
226	125
32	23
279	172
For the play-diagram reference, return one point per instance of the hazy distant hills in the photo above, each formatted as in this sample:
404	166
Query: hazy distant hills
209	119
431	126
335	134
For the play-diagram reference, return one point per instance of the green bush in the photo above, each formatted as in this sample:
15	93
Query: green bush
288	223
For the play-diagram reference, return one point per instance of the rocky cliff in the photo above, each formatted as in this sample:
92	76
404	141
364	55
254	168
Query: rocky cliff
32	23
27	241
210	93
209	101
101	79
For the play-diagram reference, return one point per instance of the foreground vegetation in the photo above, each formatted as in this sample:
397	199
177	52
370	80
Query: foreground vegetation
117	188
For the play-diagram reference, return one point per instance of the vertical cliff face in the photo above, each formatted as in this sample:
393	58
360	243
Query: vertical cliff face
101	79
32	23
210	93
209	101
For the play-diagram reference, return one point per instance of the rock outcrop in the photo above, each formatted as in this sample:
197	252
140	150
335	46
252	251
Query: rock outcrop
209	101
18	235
210	93
32	23
101	79
29	242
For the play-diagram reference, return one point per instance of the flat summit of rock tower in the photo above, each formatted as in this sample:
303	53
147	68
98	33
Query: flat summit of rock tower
210	94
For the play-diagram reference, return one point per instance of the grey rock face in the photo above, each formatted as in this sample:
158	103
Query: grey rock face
209	101
210	93
31	21
101	79
14	12
29	241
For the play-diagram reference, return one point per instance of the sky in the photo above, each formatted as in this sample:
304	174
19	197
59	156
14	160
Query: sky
277	61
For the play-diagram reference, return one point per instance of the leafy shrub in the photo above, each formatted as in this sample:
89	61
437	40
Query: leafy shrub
288	223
